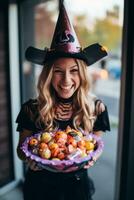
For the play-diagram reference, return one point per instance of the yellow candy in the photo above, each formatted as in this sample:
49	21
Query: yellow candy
53	146
46	137
79	133
68	129
89	145
83	154
55	159
46	154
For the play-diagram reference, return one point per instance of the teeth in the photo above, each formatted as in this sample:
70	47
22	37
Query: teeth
66	88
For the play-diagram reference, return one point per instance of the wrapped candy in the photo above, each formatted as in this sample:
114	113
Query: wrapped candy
75	154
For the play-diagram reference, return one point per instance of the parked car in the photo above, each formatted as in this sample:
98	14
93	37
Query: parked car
114	68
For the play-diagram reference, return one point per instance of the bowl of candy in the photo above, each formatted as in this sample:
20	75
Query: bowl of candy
63	150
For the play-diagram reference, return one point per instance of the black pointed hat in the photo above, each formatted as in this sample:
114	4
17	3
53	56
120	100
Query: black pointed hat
65	44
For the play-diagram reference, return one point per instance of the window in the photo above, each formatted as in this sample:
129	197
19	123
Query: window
101	22
37	23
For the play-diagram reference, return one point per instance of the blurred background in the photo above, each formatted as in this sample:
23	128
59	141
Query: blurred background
32	22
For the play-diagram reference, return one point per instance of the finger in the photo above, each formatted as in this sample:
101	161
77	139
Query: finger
90	164
32	164
36	168
100	107
97	107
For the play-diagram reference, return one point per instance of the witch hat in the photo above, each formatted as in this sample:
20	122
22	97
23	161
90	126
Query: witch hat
65	44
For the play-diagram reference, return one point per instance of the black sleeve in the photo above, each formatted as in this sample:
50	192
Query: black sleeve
24	119
102	122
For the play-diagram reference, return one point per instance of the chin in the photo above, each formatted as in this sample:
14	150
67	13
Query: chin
65	96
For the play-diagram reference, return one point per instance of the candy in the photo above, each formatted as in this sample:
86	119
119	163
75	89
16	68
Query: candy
61	155
33	142
54	152
46	137
70	148
61	142
43	145
68	129
53	146
34	151
60	145
76	154
60	134
72	141
55	159
45	154
89	145
81	144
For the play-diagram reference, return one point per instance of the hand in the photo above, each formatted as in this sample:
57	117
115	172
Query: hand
91	162
32	165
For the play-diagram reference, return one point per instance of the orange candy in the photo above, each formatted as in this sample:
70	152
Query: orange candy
81	144
43	145
60	134
61	142
61	155
54	152
72	141
33	142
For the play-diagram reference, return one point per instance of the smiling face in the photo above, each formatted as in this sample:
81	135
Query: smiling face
65	79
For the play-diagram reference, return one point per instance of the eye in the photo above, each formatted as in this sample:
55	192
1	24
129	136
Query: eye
74	70
57	71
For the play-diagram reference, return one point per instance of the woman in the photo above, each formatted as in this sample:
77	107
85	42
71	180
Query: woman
63	100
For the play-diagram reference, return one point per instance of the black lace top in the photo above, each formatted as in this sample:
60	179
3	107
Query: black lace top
29	113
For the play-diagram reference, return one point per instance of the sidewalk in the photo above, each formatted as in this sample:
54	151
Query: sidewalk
15	194
103	172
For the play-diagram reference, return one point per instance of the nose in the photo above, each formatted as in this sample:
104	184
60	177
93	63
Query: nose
66	78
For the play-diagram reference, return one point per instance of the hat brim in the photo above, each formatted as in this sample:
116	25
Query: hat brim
90	54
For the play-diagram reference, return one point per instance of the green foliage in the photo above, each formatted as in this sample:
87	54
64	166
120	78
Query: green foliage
108	33
105	31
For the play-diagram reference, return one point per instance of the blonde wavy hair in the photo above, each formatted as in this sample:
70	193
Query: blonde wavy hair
83	101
